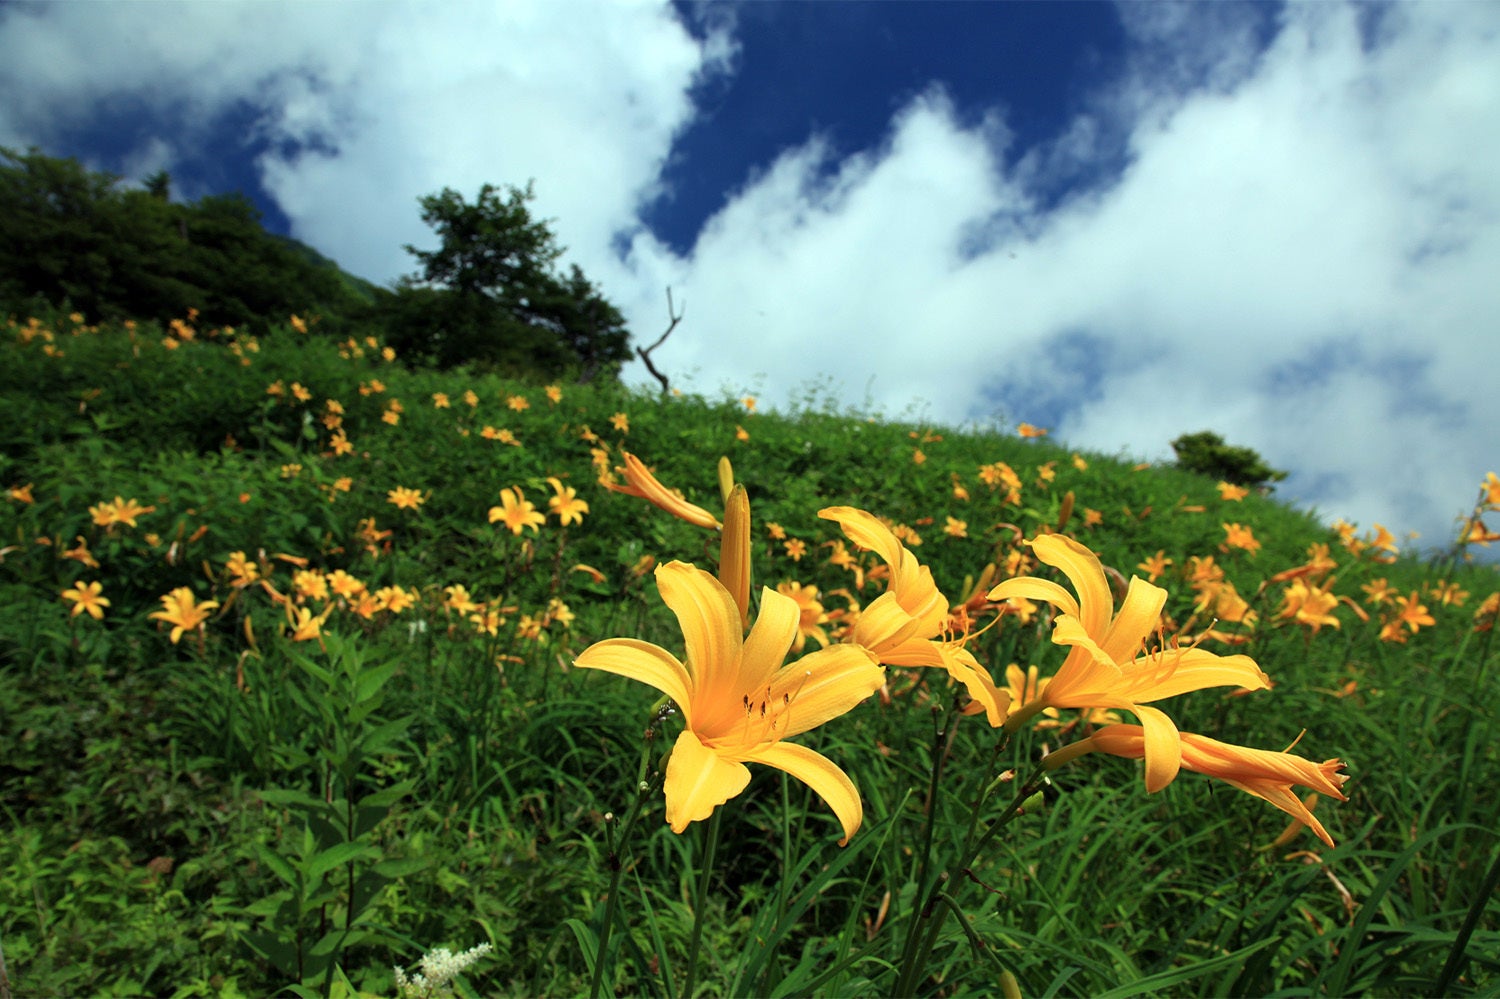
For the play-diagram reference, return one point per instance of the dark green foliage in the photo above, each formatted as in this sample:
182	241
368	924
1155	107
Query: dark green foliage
73	238
1206	453
489	296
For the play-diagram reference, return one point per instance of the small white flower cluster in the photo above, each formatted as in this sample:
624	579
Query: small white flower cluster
439	966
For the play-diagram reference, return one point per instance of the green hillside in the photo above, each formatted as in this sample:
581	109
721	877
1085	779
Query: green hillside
288	673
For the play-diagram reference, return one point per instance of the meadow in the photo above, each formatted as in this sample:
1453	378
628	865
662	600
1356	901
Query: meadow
291	696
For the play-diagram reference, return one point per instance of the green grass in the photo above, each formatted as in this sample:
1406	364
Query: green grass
241	813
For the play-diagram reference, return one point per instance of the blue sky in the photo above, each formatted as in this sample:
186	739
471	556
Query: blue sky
1125	222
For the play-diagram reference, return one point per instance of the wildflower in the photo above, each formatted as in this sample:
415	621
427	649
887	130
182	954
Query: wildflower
470	399
503	435
739	701
1092	517
405	499
300	392
298	323
518	403
1309	604
310	584
565	505
440	400
516	512
344	585
80	553
181	610
389	353
776	531
811	616
740	433
340	444
1263	773
956	528
121	511
305	624
795	549
640	482
291	470
959	490
554	394
621	422
1239	536
1079	463
1027	430
1105	667
439	968
899	626
242	572
919	457
749	403
395	599
1378	592
458	599
1410	612
391	416
1487	612
1231	492
21	494
87	597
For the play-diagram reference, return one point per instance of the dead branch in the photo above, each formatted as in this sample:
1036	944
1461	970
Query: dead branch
645	352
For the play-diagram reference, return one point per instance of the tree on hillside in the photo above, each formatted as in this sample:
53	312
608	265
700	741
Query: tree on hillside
489	295
69	235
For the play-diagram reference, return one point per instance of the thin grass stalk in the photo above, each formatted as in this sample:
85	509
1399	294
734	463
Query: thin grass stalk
1458	954
939	755
915	961
710	847
617	867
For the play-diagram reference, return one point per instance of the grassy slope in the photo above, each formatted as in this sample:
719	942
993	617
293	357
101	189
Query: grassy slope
121	748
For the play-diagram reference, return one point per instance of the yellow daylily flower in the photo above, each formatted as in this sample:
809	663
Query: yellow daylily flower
900	626
740	702
87	597
640	482
1261	772
516	511
181	610
1106	667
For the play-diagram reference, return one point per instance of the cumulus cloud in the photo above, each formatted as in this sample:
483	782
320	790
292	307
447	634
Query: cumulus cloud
1282	226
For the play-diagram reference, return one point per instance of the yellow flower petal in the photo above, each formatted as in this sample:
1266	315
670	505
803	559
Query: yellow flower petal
1032	588
1138	618
865	530
710	627
1084	571
699	780
823	685
638	660
819	773
1163	747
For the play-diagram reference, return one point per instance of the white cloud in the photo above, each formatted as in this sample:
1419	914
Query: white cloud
1299	254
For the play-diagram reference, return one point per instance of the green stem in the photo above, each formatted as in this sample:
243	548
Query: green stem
617	868
710	847
914	960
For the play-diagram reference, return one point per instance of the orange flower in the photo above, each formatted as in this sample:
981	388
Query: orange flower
621	422
405	499
1265	774
181	610
1155	565
554	394
900	626
518	403
1309	604
565	505
1231	492
87	597
1239	536
640	482
1027	430
1105	667
516	512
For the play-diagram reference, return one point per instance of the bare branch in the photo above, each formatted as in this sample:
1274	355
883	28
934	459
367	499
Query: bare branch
645	352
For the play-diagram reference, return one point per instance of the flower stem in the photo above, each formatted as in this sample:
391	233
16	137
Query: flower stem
710	847
617	868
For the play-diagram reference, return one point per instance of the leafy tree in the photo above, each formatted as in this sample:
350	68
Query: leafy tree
489	294
1206	453
69	235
